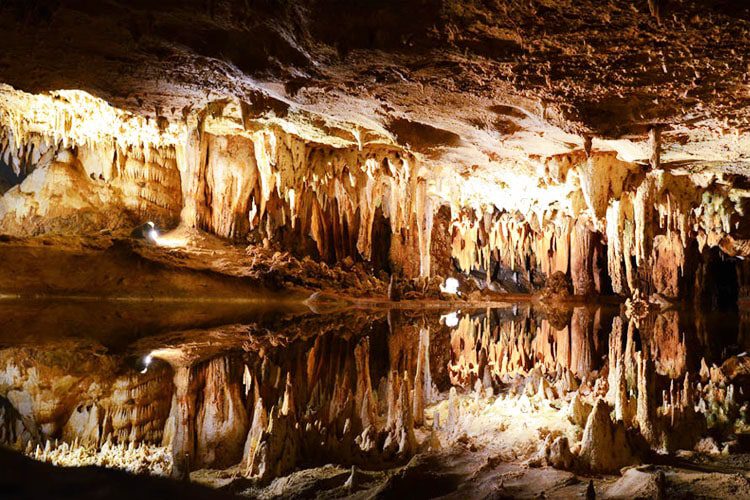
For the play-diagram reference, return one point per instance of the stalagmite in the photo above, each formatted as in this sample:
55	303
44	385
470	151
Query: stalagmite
605	446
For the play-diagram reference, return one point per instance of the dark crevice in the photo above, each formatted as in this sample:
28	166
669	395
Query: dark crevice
8	177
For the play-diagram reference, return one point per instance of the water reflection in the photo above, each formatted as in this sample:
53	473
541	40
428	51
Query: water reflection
270	390
116	324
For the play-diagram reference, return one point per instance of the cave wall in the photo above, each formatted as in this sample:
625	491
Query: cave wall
86	188
263	185
278	186
608	224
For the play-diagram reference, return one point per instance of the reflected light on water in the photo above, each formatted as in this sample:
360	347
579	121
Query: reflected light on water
450	320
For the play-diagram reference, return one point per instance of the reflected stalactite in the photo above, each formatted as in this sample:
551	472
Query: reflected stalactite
515	346
89	405
374	389
221	418
665	338
181	439
581	341
316	401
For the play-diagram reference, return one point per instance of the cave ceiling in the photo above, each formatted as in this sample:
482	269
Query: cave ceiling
476	90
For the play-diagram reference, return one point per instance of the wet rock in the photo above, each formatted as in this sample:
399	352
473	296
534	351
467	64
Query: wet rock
638	482
558	286
353	481
708	446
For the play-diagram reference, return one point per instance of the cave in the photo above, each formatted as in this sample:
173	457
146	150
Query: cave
327	249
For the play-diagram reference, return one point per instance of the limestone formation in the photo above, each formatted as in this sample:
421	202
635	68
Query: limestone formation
606	446
322	248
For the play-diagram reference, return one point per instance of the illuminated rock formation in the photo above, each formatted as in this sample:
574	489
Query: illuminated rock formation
220	170
403	170
605	446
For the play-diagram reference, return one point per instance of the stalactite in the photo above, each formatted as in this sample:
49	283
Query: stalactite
183	439
615	244
646	409
601	179
581	259
221	171
479	238
331	195
221	419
